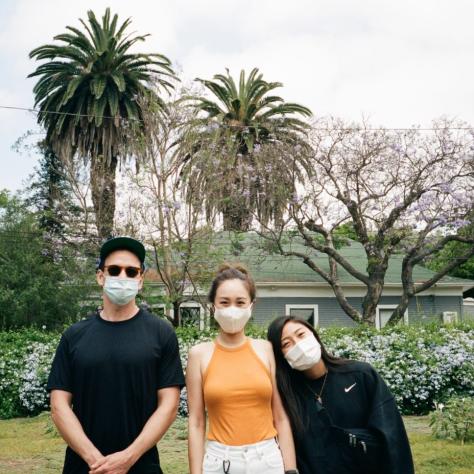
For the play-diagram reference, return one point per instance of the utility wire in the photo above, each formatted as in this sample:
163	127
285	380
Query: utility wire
371	129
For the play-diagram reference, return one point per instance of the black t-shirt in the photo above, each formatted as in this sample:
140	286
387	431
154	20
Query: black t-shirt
114	370
354	399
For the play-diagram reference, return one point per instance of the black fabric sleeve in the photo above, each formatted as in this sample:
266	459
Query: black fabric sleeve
60	377
385	418
170	369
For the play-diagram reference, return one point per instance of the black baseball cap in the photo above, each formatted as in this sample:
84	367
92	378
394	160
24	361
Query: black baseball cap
121	243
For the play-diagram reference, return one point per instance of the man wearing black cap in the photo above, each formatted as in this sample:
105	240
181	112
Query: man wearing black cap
116	376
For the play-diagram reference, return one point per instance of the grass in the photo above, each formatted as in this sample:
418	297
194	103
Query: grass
28	445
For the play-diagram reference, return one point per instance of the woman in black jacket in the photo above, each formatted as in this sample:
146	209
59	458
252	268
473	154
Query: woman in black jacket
344	418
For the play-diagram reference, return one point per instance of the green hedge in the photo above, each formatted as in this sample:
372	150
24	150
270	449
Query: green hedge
421	364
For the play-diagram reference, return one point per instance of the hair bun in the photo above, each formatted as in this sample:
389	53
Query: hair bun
232	271
233	266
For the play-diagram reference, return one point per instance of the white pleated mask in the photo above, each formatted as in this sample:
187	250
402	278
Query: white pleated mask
304	354
232	319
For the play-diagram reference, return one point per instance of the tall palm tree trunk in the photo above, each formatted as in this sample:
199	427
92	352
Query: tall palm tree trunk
103	193
236	216
236	212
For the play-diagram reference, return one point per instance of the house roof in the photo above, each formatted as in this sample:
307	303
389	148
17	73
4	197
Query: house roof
247	249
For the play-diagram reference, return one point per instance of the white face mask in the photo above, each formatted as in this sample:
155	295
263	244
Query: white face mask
121	291
304	354
232	319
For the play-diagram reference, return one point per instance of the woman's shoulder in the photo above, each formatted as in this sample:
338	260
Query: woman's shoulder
360	370
354	366
262	344
201	349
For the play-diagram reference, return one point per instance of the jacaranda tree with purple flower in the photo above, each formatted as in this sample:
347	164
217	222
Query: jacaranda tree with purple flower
404	193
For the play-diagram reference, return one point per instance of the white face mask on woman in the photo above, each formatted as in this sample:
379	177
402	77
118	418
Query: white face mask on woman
121	291
304	354
232	319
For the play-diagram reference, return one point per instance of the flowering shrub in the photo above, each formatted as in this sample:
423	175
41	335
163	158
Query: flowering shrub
34	376
25	359
421	364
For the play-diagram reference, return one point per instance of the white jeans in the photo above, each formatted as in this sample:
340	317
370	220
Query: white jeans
259	458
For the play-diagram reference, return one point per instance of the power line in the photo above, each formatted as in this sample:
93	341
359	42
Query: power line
358	129
55	112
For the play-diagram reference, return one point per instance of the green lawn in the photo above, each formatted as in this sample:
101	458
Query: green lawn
27	447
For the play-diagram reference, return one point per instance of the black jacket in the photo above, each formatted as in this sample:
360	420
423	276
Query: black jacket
357	428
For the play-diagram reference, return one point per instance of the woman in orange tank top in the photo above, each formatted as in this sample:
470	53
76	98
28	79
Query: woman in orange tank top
232	379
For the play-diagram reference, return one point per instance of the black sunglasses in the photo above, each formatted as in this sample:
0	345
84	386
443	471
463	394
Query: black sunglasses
116	270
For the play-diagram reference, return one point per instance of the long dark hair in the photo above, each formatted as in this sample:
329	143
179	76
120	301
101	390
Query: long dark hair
291	383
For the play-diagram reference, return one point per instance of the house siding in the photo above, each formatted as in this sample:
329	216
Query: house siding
422	309
448	303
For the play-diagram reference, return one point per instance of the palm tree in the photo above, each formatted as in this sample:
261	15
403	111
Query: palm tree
227	165
87	95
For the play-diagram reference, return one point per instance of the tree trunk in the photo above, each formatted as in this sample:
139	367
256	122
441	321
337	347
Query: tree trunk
176	306
376	268
399	311
345	305
236	215
103	194
370	302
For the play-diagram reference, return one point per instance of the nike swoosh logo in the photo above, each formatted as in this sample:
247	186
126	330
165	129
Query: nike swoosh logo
348	389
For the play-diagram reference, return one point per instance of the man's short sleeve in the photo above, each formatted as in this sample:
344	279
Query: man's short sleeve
60	377
170	370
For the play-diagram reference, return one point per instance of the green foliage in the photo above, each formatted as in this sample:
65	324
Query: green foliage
93	80
50	193
344	232
88	96
247	156
455	250
42	281
455	420
248	111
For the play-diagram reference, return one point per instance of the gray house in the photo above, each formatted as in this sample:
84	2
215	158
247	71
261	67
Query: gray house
285	285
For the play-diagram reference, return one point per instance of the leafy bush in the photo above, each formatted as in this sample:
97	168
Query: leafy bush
455	420
44	279
421	364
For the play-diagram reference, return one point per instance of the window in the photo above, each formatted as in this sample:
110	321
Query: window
160	310
309	312
383	313
191	314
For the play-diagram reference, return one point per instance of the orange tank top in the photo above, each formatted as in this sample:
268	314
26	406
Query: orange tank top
238	396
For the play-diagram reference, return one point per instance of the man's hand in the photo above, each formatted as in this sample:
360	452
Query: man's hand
116	463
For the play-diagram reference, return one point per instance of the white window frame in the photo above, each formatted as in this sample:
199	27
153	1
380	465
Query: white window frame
202	315
314	307
161	305
388	306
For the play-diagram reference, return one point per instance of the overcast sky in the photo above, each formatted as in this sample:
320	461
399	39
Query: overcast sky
398	62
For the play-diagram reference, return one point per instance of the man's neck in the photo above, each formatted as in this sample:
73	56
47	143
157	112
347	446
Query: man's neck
113	312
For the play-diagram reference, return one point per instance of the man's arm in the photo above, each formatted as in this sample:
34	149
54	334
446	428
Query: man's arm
70	428
152	432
